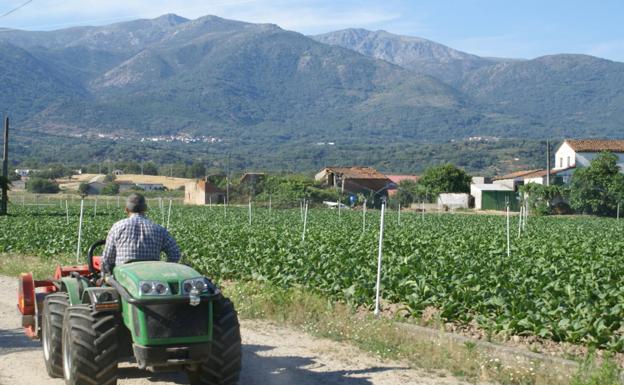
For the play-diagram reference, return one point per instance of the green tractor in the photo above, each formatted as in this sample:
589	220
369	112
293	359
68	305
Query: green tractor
162	316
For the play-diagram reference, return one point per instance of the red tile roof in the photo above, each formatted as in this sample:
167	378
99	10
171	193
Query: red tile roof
517	174
592	145
542	173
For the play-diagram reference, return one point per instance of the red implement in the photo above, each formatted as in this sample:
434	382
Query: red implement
30	300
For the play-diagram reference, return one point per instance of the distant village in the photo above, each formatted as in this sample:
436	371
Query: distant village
485	193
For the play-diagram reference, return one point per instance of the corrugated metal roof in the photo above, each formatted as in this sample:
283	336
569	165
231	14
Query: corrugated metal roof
594	145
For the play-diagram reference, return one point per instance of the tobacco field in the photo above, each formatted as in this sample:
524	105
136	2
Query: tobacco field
563	280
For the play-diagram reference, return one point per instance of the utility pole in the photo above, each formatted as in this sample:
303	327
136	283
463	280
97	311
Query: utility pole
5	168
547	162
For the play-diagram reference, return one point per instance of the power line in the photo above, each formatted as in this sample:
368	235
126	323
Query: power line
17	8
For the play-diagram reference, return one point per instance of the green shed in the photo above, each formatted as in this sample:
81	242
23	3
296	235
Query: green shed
497	200
494	197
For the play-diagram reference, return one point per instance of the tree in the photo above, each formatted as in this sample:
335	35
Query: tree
55	171
540	197
42	186
407	192
110	189
150	168
599	188
197	170
445	178
83	188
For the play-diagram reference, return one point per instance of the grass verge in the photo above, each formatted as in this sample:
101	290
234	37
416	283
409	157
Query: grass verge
13	265
386	338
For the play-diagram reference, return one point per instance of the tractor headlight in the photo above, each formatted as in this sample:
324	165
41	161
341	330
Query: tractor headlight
202	285
153	288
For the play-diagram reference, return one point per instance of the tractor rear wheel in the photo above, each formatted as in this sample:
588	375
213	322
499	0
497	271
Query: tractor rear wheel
224	365
89	347
52	332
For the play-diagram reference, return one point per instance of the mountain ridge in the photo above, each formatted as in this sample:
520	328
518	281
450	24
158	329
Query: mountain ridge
258	82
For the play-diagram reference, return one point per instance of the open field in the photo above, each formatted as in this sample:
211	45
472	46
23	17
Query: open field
170	183
562	281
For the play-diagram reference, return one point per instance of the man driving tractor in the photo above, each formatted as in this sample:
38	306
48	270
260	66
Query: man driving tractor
136	238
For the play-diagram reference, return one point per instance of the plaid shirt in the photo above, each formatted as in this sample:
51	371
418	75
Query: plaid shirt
138	238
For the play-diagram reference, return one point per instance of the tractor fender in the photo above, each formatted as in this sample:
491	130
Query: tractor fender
71	286
101	298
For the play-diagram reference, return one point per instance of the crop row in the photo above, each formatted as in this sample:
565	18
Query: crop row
563	280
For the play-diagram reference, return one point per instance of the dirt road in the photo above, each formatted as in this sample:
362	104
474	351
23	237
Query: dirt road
271	356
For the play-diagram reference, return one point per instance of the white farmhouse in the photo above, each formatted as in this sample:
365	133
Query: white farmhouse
579	153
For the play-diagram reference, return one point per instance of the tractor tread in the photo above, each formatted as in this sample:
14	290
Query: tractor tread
93	347
224	365
53	313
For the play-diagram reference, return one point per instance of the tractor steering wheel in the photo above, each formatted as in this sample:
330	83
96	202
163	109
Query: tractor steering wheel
90	254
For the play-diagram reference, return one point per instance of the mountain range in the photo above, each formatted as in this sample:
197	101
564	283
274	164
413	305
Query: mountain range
259	84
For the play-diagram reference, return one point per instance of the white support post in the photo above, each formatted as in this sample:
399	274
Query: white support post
117	200
67	211
399	215
269	206
249	211
379	258
422	210
95	208
339	212
162	210
301	209
520	220
169	213
364	217
508	232
305	221
79	230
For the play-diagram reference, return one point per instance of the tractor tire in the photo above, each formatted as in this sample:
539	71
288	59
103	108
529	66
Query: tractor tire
52	332
89	347
224	365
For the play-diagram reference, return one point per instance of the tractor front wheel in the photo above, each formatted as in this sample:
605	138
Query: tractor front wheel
89	347
224	365
54	307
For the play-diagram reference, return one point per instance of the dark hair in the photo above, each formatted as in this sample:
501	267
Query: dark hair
136	203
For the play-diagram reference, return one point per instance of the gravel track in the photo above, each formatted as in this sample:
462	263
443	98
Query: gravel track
272	355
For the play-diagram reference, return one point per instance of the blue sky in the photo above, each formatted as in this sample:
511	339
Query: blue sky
519	28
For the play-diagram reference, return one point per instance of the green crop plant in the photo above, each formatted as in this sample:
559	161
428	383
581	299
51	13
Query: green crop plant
563	280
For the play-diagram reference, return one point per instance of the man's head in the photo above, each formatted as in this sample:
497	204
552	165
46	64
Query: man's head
135	204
